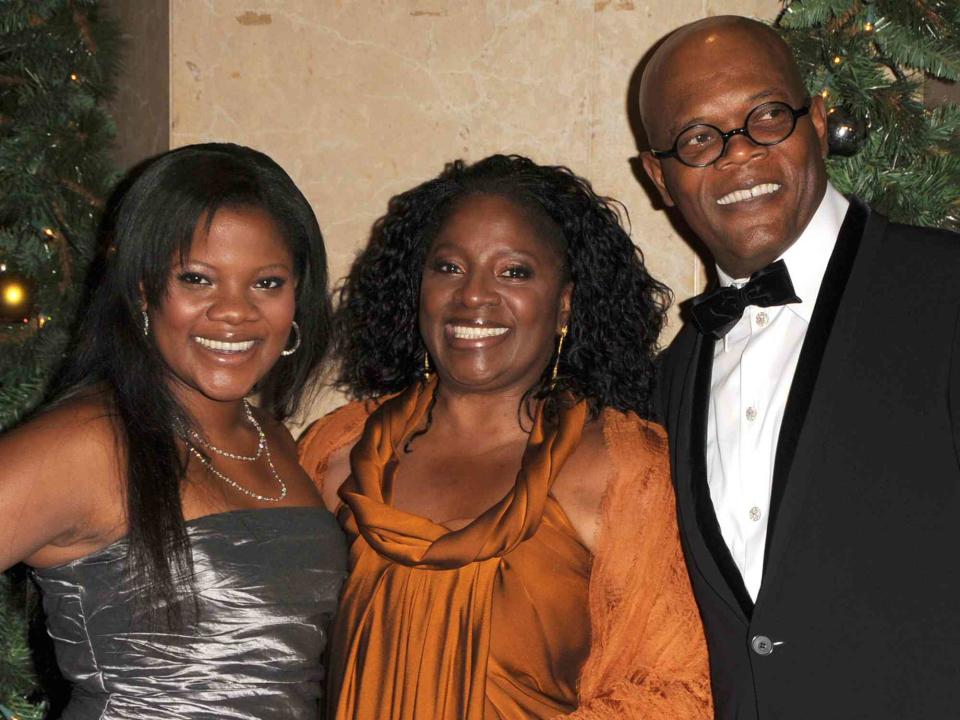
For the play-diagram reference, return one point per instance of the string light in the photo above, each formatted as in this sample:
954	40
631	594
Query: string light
868	26
49	232
825	93
74	77
837	59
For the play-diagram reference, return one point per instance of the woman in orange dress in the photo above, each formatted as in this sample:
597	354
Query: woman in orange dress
498	335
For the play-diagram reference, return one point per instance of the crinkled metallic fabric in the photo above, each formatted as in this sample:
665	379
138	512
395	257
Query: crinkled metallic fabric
266	584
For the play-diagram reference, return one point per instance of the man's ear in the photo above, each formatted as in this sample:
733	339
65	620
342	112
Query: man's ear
655	173
818	116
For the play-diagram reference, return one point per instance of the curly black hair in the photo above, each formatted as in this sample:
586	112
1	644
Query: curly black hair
617	308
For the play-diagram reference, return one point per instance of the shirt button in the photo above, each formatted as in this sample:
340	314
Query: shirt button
751	413
755	513
762	318
761	644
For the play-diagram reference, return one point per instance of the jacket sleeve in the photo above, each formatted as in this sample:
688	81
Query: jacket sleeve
648	656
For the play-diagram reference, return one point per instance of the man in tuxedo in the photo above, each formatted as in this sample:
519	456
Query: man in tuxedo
812	401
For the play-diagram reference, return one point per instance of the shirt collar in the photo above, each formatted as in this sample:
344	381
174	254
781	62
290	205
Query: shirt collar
807	258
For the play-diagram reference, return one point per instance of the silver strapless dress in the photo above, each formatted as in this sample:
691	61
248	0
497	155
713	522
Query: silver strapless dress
266	583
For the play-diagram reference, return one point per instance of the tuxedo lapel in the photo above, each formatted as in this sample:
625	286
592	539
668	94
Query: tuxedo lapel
687	424
811	357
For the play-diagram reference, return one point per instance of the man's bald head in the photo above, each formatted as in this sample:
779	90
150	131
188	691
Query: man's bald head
709	44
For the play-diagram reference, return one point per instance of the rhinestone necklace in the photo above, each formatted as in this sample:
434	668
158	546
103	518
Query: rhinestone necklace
262	446
197	439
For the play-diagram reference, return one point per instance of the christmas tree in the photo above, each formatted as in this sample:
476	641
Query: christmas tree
869	60
57	63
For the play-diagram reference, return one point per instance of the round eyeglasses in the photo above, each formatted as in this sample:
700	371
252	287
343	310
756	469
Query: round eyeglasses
702	145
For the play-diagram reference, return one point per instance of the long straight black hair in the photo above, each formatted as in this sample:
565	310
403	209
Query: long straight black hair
152	225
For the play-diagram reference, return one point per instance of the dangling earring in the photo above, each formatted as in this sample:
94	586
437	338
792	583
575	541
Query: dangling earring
146	323
426	365
556	363
296	345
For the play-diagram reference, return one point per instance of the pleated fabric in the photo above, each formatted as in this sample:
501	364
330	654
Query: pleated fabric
488	621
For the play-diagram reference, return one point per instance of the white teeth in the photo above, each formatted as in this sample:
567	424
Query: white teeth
755	191
225	347
474	332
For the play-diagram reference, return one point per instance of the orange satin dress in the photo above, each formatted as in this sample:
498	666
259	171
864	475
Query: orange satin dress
488	621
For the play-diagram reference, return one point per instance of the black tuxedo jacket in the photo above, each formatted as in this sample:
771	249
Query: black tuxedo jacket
858	614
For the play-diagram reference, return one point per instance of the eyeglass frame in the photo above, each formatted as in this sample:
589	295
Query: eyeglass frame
673	152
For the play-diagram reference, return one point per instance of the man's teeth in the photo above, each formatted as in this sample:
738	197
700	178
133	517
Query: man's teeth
755	191
474	332
223	346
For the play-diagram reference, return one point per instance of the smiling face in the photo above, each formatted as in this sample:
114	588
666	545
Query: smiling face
228	308
493	298
754	202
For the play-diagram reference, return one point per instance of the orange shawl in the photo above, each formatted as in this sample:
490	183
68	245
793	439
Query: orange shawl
648	656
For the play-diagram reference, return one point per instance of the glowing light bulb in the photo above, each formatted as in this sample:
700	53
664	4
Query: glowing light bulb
837	59
13	294
825	93
868	26
74	77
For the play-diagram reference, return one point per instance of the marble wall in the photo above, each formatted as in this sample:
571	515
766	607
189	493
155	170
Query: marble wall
360	99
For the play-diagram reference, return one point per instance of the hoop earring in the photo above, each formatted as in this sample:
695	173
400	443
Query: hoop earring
426	365
146	323
556	363
296	345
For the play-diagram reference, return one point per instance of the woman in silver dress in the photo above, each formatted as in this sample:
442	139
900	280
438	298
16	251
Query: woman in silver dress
187	566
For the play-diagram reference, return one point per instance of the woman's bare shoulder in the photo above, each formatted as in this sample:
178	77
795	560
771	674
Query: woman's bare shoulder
81	429
60	479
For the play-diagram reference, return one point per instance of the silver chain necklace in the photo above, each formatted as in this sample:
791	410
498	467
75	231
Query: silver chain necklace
261	441
262	447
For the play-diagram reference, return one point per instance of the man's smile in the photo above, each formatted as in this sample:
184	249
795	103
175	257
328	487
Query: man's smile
749	193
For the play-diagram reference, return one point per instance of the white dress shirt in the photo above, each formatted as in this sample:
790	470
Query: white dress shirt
753	367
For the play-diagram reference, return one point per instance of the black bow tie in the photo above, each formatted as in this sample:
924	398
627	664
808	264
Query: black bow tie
715	313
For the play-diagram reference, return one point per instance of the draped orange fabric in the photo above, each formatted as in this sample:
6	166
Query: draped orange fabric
489	621
648	655
493	621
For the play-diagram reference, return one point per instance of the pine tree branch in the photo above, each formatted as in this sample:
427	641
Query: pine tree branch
83	192
62	252
83	26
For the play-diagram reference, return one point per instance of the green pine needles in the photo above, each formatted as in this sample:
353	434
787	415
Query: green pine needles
17	687
57	64
869	59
